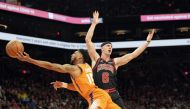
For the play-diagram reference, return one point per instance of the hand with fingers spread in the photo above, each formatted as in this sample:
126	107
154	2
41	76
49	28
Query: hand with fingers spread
59	84
95	17
150	35
23	56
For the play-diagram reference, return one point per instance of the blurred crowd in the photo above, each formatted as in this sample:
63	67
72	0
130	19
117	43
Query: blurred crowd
28	90
157	86
148	90
163	96
159	96
158	79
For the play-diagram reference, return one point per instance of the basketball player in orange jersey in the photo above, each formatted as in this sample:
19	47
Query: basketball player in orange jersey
81	76
105	68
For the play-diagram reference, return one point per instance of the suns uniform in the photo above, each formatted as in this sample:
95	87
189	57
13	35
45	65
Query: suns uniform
84	84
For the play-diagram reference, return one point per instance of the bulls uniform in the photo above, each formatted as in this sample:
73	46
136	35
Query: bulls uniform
84	84
105	78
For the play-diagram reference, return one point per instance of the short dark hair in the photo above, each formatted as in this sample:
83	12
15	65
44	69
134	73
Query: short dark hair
85	55
104	43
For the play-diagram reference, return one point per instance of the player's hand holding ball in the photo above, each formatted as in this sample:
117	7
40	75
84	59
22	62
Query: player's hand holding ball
15	49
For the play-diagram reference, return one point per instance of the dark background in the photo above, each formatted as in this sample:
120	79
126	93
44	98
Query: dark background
158	79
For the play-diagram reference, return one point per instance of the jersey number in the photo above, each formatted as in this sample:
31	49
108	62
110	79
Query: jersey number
105	77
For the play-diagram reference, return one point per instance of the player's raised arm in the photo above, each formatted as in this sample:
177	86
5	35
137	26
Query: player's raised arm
66	68
90	46
128	57
59	84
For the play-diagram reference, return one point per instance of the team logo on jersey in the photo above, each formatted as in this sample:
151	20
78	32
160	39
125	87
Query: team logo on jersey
105	67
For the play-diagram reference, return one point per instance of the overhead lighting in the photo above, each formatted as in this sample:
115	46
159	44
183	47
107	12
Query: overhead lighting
121	32
81	34
183	29
150	29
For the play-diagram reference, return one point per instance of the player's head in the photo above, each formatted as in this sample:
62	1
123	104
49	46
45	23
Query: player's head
106	48
79	56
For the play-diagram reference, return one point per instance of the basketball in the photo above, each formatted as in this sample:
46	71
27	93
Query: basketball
13	47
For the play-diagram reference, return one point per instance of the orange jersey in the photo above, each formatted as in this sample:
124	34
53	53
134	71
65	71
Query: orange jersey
96	97
84	84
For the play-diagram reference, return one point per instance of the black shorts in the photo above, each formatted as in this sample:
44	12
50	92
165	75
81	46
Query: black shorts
119	102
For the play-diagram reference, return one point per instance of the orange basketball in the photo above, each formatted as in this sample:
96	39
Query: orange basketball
13	47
